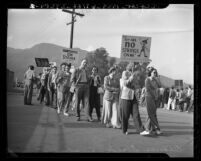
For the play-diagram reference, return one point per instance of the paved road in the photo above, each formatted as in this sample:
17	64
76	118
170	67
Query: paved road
38	128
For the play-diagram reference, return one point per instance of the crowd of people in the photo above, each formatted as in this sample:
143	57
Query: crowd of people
175	99
65	91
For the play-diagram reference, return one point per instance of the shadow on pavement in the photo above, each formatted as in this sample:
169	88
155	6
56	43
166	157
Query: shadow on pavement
172	133
84	125
177	127
21	122
173	122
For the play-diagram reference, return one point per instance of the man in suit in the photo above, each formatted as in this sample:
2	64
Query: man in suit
80	81
51	86
29	77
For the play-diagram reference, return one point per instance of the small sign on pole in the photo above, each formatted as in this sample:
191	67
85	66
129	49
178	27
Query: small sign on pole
135	48
70	56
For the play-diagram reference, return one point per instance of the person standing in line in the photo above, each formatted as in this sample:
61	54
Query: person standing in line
38	84
181	99
43	87
142	97
60	82
177	99
29	78
70	99
129	103
191	106
110	99
80	81
51	86
152	83
166	97
188	97
94	96
67	89
172	99
185	99
46	94
119	107
161	101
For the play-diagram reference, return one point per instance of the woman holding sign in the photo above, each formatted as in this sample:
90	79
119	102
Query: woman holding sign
129	103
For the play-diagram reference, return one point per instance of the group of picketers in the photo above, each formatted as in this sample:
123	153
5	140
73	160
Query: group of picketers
61	89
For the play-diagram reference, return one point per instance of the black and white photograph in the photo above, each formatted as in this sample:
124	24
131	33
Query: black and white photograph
97	80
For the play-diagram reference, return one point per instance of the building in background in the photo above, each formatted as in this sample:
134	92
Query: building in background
10	80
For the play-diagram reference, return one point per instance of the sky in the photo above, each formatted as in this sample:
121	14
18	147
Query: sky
171	30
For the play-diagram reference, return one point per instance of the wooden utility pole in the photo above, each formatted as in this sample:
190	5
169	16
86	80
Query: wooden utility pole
73	13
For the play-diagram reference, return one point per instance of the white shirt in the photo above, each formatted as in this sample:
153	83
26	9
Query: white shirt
54	77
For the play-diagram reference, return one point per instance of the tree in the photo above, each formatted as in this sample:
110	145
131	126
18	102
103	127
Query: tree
98	58
111	61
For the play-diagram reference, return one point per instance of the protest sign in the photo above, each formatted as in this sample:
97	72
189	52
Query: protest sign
69	56
135	48
42	62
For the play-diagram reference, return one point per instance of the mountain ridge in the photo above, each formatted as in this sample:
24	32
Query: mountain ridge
19	59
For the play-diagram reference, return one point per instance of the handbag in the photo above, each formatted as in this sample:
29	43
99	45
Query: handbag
100	90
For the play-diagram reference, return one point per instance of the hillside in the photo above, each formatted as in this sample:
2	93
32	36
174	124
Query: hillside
19	59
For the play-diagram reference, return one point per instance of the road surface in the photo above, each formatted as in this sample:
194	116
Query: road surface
40	129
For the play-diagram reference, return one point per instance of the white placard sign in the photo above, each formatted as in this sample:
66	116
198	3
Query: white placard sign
135	48
70	56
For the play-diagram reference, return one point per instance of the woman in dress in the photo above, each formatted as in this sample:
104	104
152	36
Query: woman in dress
110	100
67	89
61	87
152	84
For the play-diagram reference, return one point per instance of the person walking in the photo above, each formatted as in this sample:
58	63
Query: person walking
29	78
67	89
181	99
110	100
51	86
129	103
43	86
94	96
152	83
142	97
172	99
47	94
61	87
166	97
191	106
80	80
177	99
188	97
